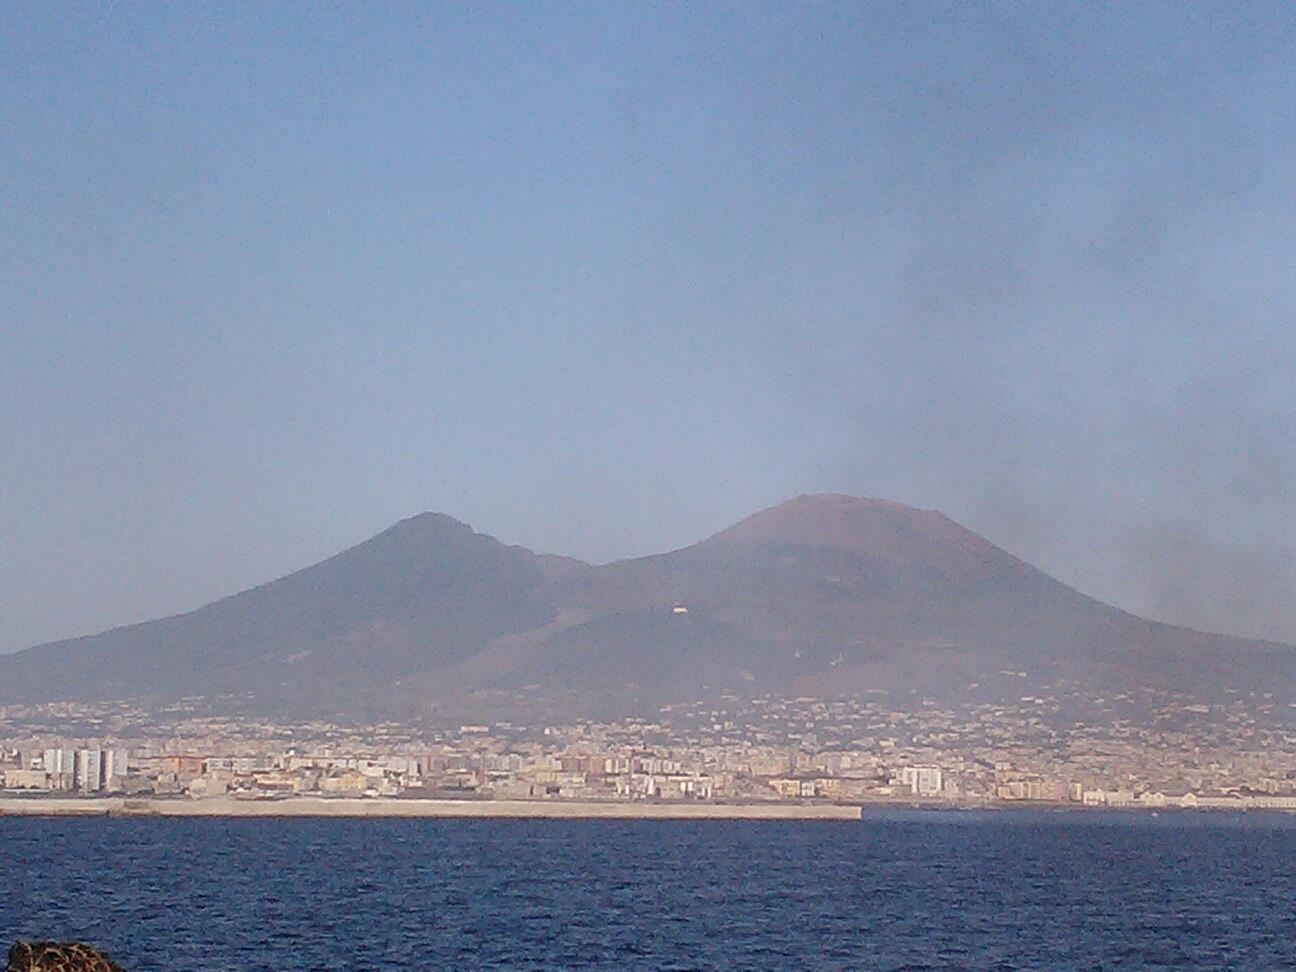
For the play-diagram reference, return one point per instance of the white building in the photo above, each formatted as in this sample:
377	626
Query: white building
58	761
114	767
925	781
88	774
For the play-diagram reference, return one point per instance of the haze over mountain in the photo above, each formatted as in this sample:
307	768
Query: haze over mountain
827	595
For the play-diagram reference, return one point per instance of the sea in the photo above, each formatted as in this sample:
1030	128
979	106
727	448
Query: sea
894	890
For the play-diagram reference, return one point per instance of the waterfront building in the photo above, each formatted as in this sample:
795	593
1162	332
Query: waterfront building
924	781
87	774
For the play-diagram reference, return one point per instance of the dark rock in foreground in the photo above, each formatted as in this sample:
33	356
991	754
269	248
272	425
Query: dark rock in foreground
58	957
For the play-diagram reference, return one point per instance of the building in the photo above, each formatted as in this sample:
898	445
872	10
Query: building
87	774
58	761
115	767
25	779
923	781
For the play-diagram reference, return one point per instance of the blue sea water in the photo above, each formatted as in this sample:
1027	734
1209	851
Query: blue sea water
893	891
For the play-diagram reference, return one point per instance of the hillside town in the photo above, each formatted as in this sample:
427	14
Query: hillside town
1057	748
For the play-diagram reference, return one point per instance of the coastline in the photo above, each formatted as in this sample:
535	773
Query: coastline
388	807
341	807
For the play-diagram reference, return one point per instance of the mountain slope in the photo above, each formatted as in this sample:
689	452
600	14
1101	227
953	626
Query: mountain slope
344	633
831	594
823	595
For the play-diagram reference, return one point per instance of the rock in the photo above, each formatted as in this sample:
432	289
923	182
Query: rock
58	957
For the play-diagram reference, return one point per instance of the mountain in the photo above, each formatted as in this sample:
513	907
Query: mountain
825	595
343	634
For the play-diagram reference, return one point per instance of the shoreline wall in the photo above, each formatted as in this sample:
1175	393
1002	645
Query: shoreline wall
317	807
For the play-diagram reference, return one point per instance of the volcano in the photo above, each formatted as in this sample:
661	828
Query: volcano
824	595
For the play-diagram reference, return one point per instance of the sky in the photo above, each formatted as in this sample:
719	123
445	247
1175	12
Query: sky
602	279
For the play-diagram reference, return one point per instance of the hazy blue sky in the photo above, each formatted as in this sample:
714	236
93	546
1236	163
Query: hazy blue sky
602	279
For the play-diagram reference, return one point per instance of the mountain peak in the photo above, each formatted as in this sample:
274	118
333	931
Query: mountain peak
430	522
423	528
828	520
905	537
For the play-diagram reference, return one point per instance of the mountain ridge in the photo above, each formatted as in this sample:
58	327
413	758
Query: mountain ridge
825	594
